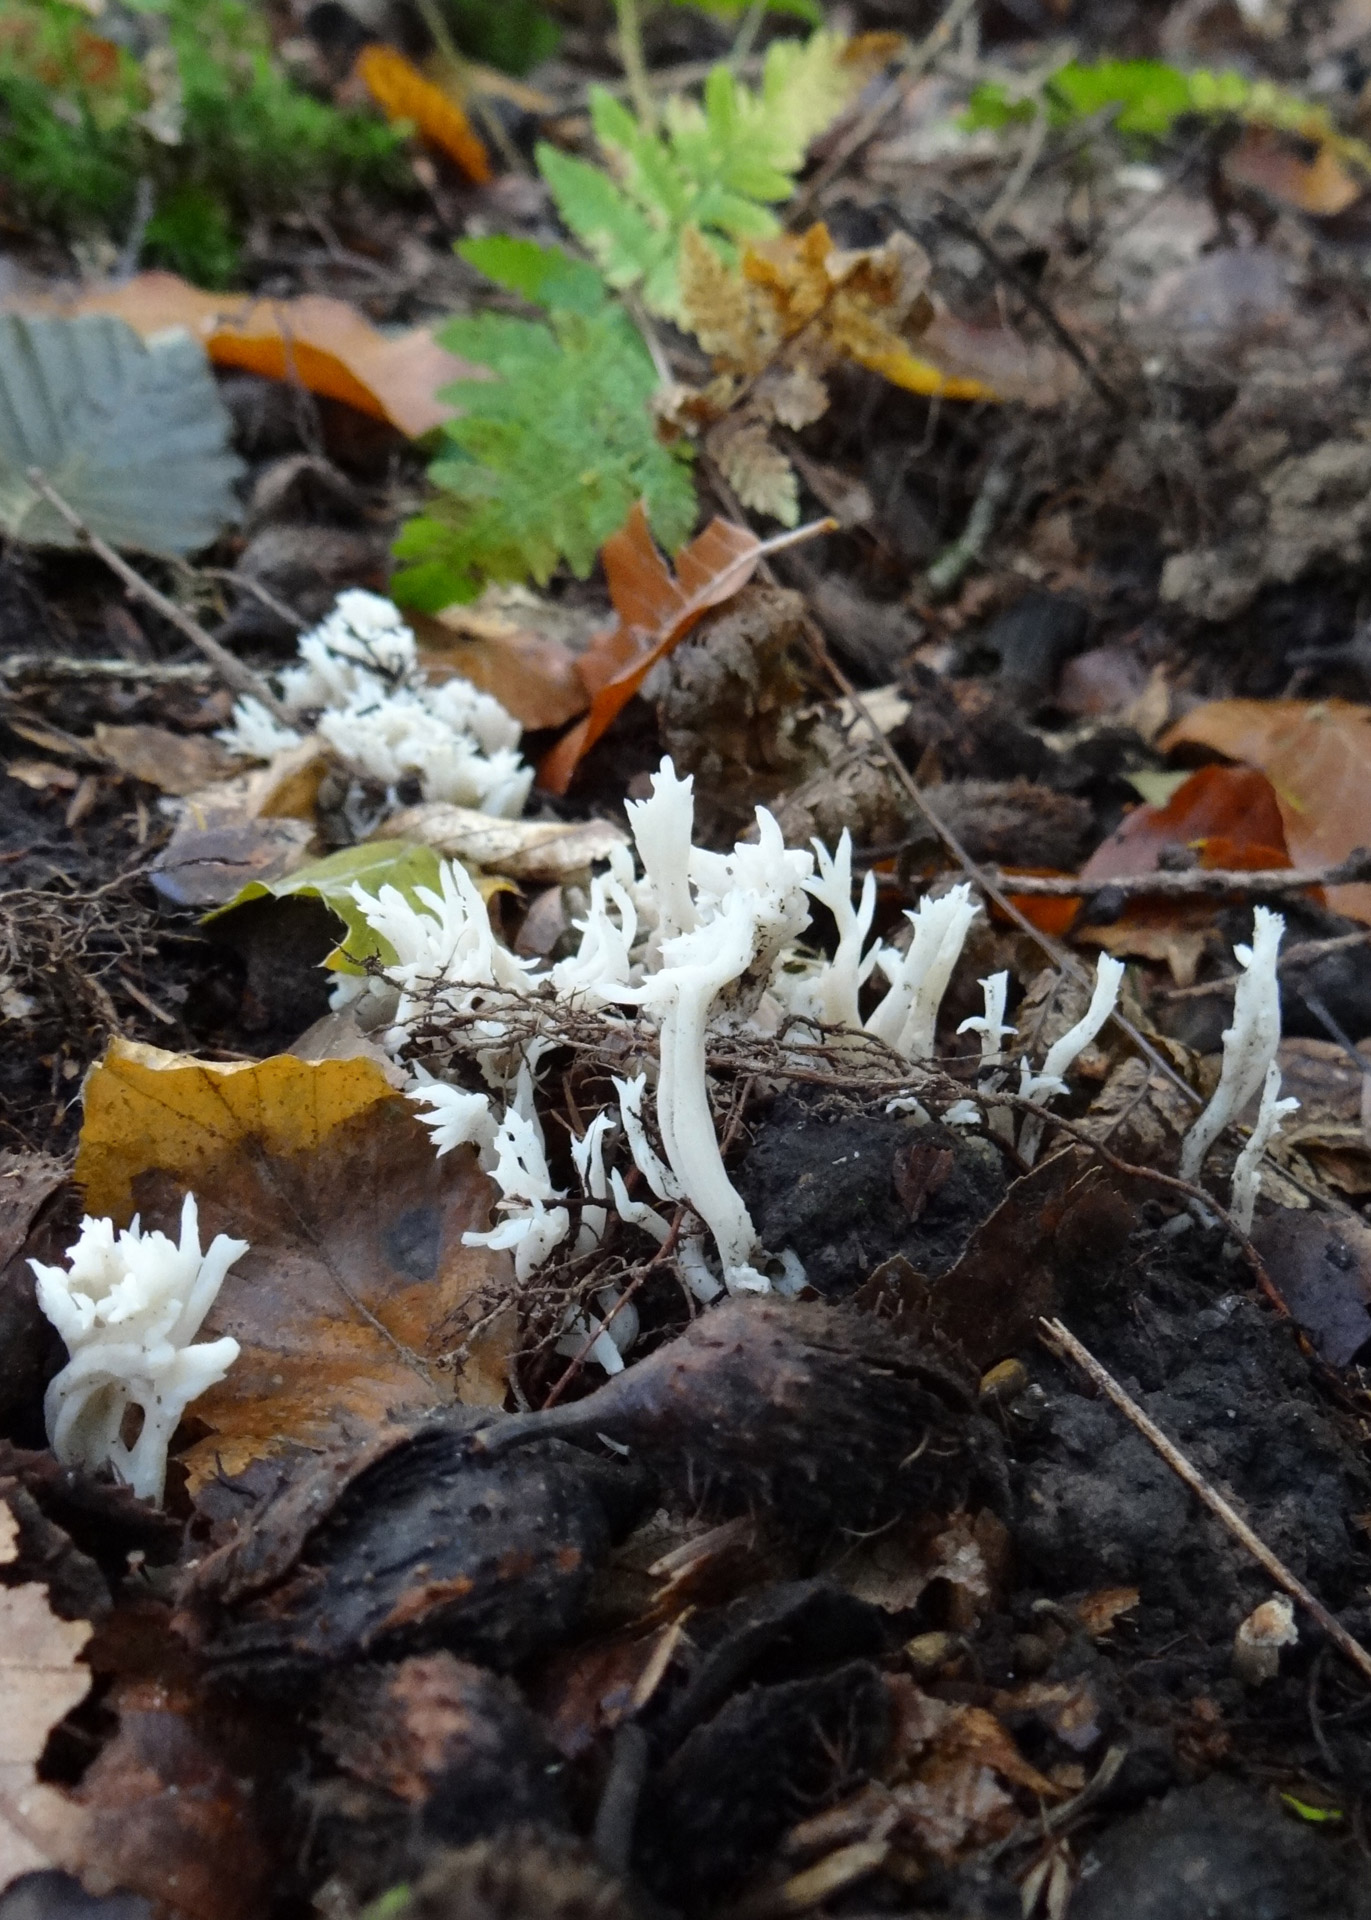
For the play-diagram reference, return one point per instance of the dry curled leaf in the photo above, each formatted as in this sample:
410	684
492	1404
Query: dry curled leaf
656	610
404	94
357	1281
41	1680
1317	756
757	471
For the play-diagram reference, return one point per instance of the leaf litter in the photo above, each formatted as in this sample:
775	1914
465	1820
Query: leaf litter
548	1633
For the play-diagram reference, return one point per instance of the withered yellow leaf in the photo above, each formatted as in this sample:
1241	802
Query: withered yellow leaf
357	1287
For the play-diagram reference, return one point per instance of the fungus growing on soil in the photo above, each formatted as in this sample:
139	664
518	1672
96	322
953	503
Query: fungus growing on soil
358	683
1249	1045
129	1305
1050	1079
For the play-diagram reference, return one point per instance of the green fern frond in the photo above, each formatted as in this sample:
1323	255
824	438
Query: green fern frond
548	458
717	165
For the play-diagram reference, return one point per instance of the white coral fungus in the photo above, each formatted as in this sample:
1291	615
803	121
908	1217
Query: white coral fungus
700	945
129	1305
1050	1079
918	977
1247	1171
1249	1045
358	679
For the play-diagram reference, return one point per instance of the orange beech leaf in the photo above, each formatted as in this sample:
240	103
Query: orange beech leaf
403	93
1317	756
656	610
324	344
1228	816
1049	913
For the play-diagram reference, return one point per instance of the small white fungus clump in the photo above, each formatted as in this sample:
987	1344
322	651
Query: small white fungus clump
358	681
129	1305
1247	1171
1050	1079
1249	1045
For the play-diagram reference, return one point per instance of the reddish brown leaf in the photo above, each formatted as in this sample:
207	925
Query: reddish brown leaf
1317	756
656	611
1229	817
41	1680
397	85
533	676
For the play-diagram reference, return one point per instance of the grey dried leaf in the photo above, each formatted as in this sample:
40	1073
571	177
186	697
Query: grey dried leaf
132	434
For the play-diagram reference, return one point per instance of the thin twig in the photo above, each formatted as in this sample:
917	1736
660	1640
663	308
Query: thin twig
229	667
1064	1341
885	103
1023	171
34	669
945	575
957	220
263	595
1195	882
1303	954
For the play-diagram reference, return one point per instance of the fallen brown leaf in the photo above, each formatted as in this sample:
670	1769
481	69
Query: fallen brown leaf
174	762
163	1815
316	342
1317	756
357	1281
1100	1612
656	610
1322	1268
1227	818
40	1682
1273	163
532	675
538	851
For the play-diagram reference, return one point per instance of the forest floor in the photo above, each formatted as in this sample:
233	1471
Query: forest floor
874	1602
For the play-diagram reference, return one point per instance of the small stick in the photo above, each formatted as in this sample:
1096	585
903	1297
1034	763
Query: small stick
956	218
33	669
1195	881
1066	1342
229	667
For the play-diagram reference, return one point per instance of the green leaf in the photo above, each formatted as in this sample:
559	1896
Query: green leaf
546	276
719	164
133	435
546	460
372	865
1317	1816
1150	95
